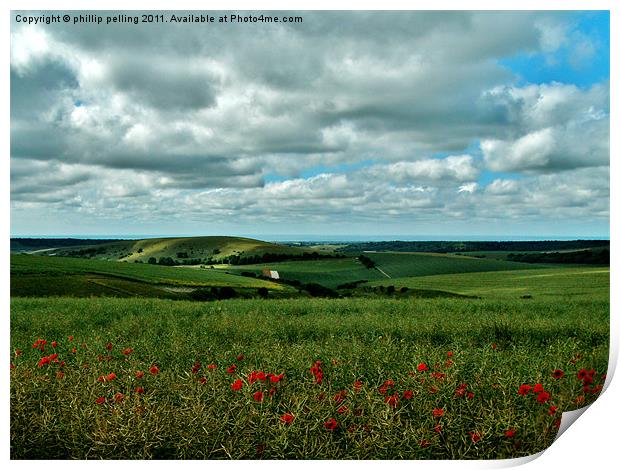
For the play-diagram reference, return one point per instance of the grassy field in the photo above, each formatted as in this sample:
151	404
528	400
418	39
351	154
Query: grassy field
49	275
551	283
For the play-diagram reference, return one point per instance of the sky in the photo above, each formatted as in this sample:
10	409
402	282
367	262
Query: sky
362	124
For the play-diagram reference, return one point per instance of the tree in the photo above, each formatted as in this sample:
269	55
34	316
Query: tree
152	260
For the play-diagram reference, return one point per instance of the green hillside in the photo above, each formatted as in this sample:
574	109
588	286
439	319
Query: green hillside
590	282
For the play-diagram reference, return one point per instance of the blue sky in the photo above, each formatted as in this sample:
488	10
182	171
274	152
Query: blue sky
466	124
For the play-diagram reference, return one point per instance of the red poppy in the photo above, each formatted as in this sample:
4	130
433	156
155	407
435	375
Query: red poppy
438	412
100	400
557	374
232	369
127	351
437	428
258	396
357	385
54	344
433	390
154	369
587	380
407	394
110	376
494	346
422	367
237	385
101	378
438	375
543	397
109	346
287	418
118	397
196	367
343	409
460	390
203	380
524	389
18	352
70	337
449	363
330	424
597	389
272	392
475	437
510	433
470	395
240	357
276	378
538	388
139	374
44	360
139	390
424	443
552	410
392	400
212	366
12	366
74	350
450	354
582	374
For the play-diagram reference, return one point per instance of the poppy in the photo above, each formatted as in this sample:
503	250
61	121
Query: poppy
139	390
340	396
272	392
510	433
392	400
449	363
424	443
422	367
557	374
232	369
580	399
74	350
237	385
470	395
276	378
196	367
343	409
43	361
109	346
524	389
100	400
582	374
538	388
438	412
543	397
407	394
18	352
118	397
357	385
70	337
110	376
54	344
258	396
438	375
552	410
437	428
127	351
494	346
287	418
12	366
475	437
203	380
330	424
139	374
240	357
450	354
154	369
212	366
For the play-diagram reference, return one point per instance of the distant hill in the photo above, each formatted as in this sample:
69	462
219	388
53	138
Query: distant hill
190	250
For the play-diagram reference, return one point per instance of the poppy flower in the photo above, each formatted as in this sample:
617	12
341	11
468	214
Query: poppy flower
196	367
70	337
212	366
287	418
494	346
424	443
543	397
203	380
538	388
139	374
422	367
258	396
110	376
276	378
552	410
232	369
357	385
340	396
109	346
101	378
330	424
597	389
12	366
407	394
240	357
557	374
154	369
470	395
438	375
74	350
43	361
438	412
118	397
582	374
587	380
54	344
272	392
460	390
449	363
392	400
139	390
237	385
127	351
18	352
475	437
433	390
524	389
437	428
510	433
343	409
450	354
100	400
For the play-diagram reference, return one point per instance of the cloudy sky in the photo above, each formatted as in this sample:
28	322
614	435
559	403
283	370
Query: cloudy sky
415	124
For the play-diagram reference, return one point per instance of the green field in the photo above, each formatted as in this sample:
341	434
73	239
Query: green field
552	283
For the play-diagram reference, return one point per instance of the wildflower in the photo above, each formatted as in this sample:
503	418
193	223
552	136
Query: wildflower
470	395
460	390
43	361
437	428
240	357
343	409
154	369
212	366
276	378
407	394
100	400
287	418
510	433
424	443
54	344
139	374
203	380
272	392
580	399
449	363
597	389
127	351
196	367
232	369
237	385
450	354
340	396
538	388
70	337
392	400
524	389
552	410
18	352
422	367
582	374
494	346
433	390
74	350
557	374
258	396
101	378
357	385
118	397
109	346
438	412
110	376
139	390
12	366
543	397
330	424
438	375
475	437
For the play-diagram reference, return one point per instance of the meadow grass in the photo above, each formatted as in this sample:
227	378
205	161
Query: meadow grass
493	345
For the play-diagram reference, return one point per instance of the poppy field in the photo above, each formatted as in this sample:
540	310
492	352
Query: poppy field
106	378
